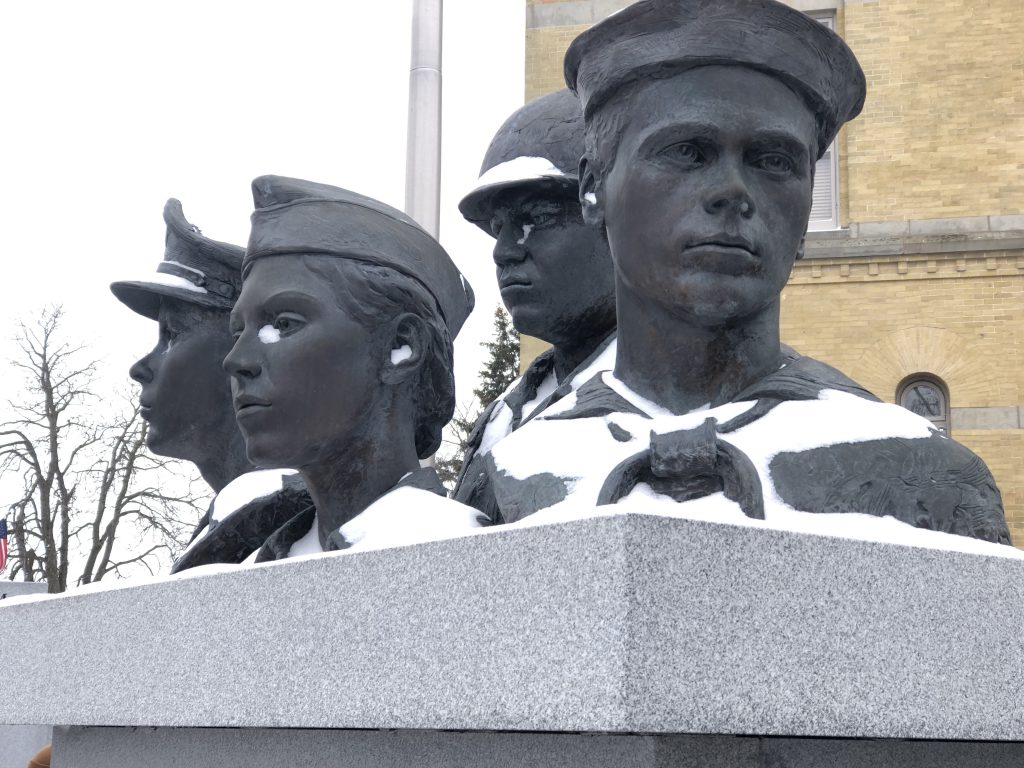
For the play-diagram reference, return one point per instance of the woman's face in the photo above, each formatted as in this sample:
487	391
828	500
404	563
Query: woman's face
303	373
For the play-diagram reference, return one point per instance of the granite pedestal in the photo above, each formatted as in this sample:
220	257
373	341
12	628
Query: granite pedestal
637	636
19	742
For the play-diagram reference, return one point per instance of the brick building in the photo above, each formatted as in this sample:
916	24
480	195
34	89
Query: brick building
913	282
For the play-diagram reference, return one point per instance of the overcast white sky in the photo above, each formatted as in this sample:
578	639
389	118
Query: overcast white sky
109	107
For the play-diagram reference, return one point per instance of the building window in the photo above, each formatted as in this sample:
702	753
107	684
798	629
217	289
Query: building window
825	203
927	396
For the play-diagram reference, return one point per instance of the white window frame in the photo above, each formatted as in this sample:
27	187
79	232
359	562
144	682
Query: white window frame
831	158
943	422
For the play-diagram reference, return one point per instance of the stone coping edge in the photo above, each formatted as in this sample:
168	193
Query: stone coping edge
623	624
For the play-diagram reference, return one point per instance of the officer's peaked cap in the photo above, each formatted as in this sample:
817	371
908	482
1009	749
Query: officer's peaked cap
195	269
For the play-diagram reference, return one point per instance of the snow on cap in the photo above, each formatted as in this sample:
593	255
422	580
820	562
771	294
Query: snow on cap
298	217
195	269
661	37
539	146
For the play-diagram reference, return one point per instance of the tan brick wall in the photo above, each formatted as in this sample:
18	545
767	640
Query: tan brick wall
545	49
958	317
529	348
942	131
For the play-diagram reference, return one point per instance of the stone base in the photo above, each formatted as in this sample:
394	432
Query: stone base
625	624
18	743
726	646
271	748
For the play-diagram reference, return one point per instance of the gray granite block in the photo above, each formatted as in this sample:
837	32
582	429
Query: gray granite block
883	228
949	226
1009	223
247	748
18	743
19	588
992	417
627	624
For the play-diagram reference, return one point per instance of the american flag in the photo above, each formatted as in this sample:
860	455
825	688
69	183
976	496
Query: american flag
3	544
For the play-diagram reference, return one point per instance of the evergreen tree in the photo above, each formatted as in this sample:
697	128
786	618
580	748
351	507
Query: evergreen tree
500	370
502	366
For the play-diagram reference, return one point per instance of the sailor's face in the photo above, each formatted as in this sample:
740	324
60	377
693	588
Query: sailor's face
302	371
185	396
708	198
554	271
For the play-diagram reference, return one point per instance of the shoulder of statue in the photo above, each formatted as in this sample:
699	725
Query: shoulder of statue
423	479
802	378
595	399
279	543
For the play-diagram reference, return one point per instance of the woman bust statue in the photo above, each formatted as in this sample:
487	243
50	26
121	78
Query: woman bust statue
342	365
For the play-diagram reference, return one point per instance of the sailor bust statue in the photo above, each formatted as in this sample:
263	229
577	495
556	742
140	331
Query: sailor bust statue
553	269
703	123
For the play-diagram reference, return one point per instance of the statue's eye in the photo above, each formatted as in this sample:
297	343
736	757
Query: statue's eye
287	322
495	226
170	332
686	153
774	162
538	219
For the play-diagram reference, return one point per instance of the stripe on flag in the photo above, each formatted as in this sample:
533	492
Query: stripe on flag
3	544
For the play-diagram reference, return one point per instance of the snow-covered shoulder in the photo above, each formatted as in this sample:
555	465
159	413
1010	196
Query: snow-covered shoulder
247	488
406	516
834	418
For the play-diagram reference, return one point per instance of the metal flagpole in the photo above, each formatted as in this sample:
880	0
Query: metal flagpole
423	140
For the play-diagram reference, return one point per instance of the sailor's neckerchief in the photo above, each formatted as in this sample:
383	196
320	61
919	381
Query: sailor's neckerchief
280	543
691	463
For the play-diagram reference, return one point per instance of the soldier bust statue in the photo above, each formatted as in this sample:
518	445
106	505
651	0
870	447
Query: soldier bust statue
703	123
554	271
342	365
186	397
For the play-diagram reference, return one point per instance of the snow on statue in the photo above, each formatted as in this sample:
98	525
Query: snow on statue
702	178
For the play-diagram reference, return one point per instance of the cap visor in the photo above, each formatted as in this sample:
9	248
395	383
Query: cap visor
144	296
478	205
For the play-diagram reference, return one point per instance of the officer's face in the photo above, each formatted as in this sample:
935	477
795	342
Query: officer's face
185	397
554	271
302	371
710	191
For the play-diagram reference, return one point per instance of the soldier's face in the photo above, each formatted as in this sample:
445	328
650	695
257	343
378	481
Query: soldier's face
554	271
185	396
710	191
302	370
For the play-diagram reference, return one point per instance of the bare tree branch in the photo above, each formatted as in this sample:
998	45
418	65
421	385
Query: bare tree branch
91	497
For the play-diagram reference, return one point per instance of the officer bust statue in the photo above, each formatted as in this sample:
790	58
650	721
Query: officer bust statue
186	397
703	123
342	365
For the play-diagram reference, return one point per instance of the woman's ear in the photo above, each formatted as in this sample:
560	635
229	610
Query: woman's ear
590	193
406	350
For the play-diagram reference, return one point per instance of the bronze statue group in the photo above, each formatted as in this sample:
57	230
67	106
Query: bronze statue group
645	222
